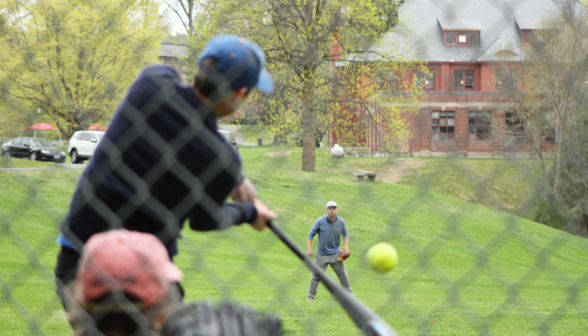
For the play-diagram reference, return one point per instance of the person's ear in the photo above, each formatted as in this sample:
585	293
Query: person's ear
242	92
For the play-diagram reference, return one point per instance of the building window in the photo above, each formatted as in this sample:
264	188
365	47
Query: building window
480	125
505	79
449	38
514	126
463	79
474	38
385	81
426	80
464	38
528	37
443	125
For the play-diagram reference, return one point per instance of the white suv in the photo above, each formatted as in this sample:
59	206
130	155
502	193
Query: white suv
83	144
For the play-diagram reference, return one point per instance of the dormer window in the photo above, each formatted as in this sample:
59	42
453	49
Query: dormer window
474	38
460	31
529	28
528	37
450	38
462	38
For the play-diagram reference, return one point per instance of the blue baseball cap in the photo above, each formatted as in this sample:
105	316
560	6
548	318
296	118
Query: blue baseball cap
240	60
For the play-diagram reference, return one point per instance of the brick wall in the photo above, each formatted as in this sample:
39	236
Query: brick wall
420	125
484	97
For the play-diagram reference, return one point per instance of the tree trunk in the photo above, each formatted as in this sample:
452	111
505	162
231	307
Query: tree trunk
308	153
583	222
190	17
308	147
559	164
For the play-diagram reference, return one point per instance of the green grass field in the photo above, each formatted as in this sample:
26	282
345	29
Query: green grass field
500	184
464	268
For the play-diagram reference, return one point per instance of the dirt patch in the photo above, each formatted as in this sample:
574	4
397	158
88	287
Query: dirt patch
279	153
394	173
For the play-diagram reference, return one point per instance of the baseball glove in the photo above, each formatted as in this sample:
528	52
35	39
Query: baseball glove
229	319
344	255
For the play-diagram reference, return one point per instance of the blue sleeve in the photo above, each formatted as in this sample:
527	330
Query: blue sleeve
345	234
63	241
314	229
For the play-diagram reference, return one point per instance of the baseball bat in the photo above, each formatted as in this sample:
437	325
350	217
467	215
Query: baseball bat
369	322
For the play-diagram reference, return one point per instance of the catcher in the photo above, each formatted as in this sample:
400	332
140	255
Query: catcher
124	286
330	228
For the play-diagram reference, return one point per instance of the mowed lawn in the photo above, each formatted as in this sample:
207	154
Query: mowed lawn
464	268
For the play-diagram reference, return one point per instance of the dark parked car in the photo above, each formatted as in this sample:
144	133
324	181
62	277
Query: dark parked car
34	149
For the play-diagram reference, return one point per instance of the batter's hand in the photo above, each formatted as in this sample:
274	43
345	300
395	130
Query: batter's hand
309	253
263	215
245	192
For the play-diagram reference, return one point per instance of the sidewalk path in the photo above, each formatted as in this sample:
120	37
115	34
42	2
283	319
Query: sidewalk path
234	129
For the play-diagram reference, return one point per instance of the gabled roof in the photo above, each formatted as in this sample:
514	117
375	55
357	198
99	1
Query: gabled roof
420	34
459	23
500	49
525	23
173	50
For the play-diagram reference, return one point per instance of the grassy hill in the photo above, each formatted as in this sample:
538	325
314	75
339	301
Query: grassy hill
506	185
464	268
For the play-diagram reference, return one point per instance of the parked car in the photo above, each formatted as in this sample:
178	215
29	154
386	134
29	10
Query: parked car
83	144
33	149
228	138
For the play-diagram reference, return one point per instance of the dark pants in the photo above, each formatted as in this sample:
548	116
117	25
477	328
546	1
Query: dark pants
322	262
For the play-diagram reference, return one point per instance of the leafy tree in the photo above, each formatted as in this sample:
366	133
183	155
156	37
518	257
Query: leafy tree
201	20
197	17
323	54
12	117
554	108
75	58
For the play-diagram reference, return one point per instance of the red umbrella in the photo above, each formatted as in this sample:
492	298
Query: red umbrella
97	127
40	127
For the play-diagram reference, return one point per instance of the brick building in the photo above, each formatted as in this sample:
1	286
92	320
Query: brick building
464	110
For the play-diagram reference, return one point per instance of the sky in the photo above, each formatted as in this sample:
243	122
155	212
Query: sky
172	17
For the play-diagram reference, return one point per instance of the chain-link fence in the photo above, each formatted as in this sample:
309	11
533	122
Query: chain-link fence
465	266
